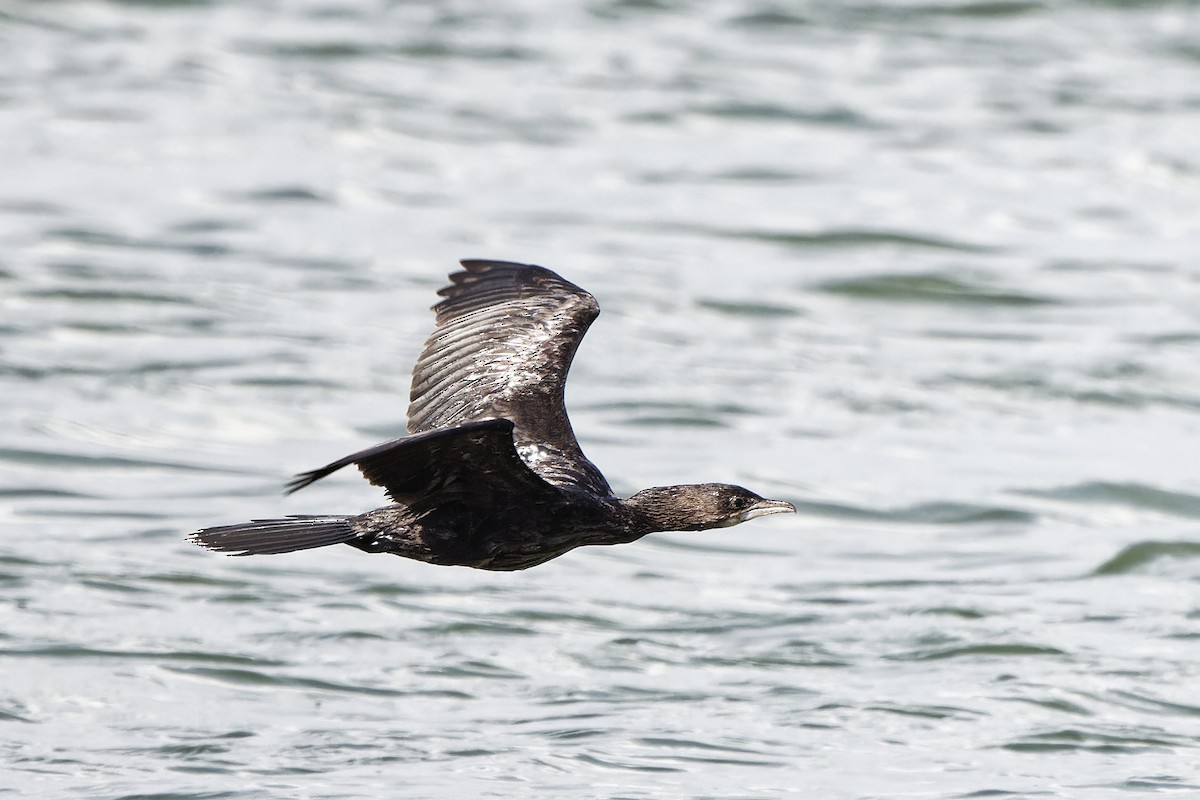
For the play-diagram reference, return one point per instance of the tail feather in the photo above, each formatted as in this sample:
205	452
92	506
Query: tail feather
271	536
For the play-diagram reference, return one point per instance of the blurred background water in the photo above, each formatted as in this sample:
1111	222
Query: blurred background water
930	270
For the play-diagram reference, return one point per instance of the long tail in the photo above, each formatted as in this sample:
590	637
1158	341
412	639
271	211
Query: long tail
270	536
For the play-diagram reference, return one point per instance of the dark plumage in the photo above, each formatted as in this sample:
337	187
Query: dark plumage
492	476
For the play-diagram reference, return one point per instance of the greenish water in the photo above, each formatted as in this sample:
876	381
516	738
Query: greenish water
927	270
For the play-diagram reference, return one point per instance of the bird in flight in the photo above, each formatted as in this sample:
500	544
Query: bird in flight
491	476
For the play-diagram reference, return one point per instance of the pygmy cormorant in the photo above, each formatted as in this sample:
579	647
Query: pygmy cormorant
492	476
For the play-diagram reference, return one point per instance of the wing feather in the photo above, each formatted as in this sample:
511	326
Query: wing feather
505	337
476	462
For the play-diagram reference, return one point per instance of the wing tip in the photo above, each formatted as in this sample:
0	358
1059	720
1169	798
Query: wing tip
477	269
504	277
488	264
301	480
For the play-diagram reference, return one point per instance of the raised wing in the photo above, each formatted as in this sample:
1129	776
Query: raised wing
475	461
505	337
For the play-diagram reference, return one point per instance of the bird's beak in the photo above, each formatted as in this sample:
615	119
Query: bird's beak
766	507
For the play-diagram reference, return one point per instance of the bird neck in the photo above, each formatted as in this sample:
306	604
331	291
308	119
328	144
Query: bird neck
665	508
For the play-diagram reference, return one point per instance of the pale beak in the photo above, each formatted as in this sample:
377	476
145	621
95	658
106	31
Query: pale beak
765	507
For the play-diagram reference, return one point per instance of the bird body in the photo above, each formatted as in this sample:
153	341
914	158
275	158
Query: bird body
492	476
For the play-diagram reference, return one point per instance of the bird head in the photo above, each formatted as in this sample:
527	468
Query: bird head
700	506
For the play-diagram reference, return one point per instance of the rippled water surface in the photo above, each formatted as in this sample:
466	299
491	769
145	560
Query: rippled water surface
929	270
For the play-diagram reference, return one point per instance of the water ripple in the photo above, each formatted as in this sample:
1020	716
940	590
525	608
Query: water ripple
930	288
998	651
259	679
1137	556
1075	740
1134	495
937	513
856	237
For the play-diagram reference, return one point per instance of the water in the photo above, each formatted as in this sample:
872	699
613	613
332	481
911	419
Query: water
928	270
